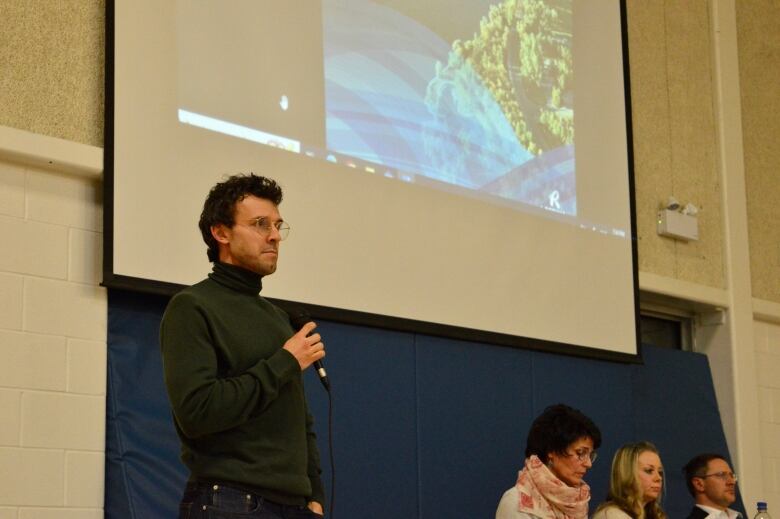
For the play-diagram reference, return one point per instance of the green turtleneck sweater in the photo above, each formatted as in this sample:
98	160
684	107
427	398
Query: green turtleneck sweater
237	396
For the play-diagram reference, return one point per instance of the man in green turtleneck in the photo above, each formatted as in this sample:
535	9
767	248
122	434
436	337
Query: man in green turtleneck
233	366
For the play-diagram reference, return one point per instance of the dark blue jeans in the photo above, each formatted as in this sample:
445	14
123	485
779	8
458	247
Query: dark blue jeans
201	501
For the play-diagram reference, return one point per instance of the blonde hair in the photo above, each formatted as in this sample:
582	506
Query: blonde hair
625	490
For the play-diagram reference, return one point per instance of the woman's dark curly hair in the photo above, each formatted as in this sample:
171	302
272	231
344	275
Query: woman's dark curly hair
220	205
558	427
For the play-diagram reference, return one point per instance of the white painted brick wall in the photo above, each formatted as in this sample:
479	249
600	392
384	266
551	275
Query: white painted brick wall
52	346
11	405
38	249
58	513
767	338
86	367
32	361
81	491
34	477
11	191
11	289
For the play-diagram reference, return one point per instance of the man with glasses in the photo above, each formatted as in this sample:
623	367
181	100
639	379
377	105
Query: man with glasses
713	486
232	365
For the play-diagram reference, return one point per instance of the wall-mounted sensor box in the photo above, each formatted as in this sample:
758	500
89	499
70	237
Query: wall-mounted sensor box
678	225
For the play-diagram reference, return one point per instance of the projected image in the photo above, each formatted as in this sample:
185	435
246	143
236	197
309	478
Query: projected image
491	112
475	99
483	141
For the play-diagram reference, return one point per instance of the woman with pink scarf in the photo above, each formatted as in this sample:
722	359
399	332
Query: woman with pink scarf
561	448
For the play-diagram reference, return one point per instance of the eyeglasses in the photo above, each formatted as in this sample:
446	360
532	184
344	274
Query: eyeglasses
584	455
720	475
263	226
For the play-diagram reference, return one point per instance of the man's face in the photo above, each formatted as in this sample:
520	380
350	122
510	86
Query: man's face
713	490
247	245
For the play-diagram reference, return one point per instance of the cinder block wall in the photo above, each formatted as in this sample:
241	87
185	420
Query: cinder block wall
52	346
767	337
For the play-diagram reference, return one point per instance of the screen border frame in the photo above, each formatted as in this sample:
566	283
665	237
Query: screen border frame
111	280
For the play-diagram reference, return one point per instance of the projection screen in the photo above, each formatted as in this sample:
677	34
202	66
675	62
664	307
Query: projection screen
455	168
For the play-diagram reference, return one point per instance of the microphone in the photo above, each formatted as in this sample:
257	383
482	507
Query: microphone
299	317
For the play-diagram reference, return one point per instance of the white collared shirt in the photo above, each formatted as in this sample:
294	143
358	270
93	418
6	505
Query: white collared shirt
728	513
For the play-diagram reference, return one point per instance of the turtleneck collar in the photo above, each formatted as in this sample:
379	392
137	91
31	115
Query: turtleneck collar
237	278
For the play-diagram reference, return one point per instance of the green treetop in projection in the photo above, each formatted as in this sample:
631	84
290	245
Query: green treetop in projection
522	55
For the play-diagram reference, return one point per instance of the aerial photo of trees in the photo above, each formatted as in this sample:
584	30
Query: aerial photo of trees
522	56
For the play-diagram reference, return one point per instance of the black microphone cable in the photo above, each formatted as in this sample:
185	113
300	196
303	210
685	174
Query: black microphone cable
332	503
299	317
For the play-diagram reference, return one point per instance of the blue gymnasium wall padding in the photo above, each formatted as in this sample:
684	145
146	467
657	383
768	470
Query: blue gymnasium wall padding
602	391
472	410
144	477
677	410
424	427
373	386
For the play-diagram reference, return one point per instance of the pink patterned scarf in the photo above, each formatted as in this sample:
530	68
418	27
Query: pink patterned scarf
543	495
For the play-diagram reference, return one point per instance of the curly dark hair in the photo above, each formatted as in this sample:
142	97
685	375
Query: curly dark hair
697	467
220	205
558	427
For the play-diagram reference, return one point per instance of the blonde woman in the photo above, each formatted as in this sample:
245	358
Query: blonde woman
635	485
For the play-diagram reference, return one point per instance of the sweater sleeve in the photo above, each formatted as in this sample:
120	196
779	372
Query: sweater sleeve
508	506
202	401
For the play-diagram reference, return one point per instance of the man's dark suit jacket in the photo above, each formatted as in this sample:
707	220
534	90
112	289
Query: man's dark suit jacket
697	513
